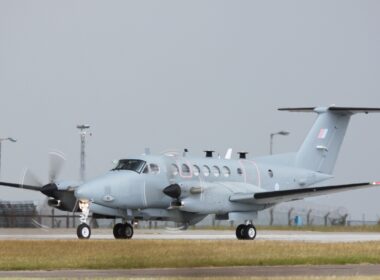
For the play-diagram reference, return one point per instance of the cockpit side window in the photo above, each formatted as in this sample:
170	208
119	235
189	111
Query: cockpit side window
136	165
146	169
154	168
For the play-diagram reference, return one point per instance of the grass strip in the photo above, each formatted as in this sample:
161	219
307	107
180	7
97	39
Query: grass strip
124	254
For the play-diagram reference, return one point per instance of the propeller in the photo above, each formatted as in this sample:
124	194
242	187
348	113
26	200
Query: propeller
61	197
32	182
56	163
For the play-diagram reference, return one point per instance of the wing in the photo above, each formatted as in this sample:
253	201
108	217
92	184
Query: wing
275	197
21	186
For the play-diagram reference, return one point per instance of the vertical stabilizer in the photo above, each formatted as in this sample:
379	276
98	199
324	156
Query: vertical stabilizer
320	149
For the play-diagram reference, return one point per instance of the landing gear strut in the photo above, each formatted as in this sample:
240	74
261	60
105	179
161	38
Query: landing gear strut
246	232
123	231
84	230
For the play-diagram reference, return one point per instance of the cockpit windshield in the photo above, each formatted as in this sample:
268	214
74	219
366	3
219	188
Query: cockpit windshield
136	165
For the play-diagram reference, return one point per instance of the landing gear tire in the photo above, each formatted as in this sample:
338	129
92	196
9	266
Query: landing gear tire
119	231
128	231
83	231
123	231
240	232
246	232
249	232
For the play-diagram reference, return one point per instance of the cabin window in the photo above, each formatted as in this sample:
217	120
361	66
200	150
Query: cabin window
240	171
226	171
185	170
216	171
196	170
154	168
206	171
174	169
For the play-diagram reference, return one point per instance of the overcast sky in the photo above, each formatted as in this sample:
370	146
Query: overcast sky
195	74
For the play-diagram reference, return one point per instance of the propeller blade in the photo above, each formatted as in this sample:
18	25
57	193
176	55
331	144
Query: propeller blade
30	179
76	206
56	162
21	186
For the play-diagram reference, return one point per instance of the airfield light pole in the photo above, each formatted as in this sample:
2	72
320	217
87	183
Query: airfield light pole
282	132
5	139
83	132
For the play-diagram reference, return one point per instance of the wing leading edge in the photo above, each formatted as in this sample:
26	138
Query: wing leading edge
275	197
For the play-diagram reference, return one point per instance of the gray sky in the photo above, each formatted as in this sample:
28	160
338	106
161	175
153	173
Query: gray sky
195	74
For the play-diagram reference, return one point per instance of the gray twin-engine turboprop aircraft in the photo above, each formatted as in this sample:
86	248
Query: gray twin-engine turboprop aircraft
185	189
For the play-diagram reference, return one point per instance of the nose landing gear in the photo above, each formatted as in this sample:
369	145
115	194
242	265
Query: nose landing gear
246	232
84	230
123	231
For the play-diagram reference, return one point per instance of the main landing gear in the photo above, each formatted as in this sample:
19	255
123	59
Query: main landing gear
120	231
246	232
123	231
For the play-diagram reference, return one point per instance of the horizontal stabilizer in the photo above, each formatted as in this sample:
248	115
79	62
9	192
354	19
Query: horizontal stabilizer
275	197
20	186
352	110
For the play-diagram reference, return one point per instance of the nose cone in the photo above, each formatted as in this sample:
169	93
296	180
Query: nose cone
84	191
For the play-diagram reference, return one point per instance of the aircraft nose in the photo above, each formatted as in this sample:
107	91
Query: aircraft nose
82	192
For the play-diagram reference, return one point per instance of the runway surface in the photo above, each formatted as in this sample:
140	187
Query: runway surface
98	234
245	271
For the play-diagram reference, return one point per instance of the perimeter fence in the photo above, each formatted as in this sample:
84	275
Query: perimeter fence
27	215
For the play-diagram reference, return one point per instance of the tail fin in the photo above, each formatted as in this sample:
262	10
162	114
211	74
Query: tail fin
320	149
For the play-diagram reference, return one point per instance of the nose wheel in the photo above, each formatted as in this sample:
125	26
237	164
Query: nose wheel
246	232
123	231
83	231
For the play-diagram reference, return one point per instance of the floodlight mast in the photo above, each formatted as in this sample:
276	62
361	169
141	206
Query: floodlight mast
282	132
83	132
5	139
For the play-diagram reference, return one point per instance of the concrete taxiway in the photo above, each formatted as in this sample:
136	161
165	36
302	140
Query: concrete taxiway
245	271
162	234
